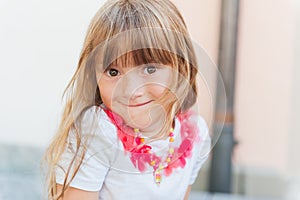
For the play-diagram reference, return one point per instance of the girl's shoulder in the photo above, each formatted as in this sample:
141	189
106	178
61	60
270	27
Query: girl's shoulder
94	112
204	135
196	119
202	125
94	121
95	116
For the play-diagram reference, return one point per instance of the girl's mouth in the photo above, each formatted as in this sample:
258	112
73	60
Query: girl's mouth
140	104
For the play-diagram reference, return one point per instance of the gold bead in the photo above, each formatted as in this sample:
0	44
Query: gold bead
152	163
171	150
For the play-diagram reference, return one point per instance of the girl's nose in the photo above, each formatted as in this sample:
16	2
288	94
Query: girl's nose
132	86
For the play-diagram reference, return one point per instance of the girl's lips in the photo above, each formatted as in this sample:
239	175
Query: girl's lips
140	104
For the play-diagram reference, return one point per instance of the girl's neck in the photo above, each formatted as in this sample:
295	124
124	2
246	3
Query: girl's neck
157	131
154	131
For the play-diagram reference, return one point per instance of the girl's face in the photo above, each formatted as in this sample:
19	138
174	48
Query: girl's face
133	93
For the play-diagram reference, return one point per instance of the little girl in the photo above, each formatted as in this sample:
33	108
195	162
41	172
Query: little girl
128	130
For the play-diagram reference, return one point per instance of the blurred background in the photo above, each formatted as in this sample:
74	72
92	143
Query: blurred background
254	44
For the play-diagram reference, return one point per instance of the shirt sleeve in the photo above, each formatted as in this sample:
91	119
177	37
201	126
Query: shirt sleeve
97	145
202	152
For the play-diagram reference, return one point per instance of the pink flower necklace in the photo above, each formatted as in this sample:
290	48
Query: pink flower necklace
140	153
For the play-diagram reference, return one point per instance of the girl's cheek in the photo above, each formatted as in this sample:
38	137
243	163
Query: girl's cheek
106	91
157	90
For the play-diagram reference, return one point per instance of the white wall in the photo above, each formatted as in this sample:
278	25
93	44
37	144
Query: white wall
40	44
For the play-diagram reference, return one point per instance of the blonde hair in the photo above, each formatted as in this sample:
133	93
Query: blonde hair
150	31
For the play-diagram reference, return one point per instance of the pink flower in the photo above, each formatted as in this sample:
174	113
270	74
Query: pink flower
140	156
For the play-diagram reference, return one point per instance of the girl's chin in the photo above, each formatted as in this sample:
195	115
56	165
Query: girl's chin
139	122
146	122
142	118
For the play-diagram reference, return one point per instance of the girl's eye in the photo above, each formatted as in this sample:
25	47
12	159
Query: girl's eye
150	69
112	72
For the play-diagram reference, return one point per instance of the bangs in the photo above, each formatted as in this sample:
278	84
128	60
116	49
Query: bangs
144	56
135	33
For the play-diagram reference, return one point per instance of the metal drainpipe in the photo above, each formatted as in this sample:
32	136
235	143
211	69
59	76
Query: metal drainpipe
220	171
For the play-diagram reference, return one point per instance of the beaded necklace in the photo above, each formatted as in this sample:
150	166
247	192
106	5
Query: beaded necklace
141	155
157	166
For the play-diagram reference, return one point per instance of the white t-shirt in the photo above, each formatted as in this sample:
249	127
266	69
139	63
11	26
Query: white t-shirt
108	169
